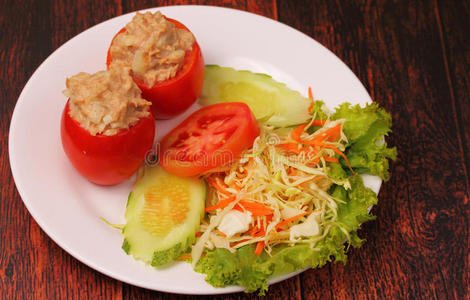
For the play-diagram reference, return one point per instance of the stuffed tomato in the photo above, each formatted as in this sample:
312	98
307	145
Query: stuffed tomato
106	128
165	60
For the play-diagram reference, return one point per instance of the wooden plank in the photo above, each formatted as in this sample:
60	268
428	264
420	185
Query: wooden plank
420	233
264	8
453	29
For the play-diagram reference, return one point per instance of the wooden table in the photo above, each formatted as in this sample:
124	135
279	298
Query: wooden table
414	59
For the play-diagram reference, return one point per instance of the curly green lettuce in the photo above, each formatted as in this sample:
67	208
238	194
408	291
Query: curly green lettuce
365	128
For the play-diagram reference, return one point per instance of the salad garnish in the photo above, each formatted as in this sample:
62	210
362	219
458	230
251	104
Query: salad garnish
293	199
298	197
281	186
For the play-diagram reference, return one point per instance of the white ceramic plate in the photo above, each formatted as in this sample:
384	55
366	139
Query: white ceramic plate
68	207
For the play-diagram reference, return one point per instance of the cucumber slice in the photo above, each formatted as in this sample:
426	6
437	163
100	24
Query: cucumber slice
270	101
163	215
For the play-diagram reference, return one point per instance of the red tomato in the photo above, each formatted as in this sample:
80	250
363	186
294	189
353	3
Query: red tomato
211	137
175	95
104	159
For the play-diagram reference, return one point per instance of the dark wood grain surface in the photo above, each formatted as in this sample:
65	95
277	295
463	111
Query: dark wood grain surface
414	59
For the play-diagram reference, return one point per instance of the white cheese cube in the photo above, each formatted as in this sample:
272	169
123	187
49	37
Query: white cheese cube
235	222
308	228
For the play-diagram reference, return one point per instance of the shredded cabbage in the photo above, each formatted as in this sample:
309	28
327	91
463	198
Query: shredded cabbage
278	180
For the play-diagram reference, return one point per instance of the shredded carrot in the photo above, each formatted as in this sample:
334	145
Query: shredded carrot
260	228
342	155
184	257
256	208
220	182
259	247
292	171
188	256
310	107
318	122
313	162
331	159
319	141
313	179
221	204
217	184
220	233
259	233
286	221
331	134
310	96
292	147
253	230
297	132
237	186
312	142
336	150
289	146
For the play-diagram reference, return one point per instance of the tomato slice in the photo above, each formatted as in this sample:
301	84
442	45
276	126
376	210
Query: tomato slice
175	95
103	159
213	136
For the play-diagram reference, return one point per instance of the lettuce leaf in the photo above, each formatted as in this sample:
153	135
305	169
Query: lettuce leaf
253	272
359	119
242	268
318	109
336	172
365	128
357	200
